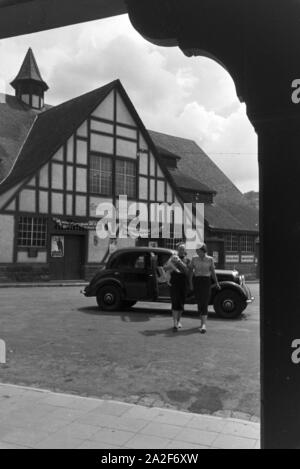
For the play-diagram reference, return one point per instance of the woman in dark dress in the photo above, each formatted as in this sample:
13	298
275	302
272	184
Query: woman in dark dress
202	270
178	266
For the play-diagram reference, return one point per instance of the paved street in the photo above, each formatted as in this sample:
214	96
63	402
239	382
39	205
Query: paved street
58	340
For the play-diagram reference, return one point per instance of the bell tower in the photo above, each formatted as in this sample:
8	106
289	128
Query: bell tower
29	84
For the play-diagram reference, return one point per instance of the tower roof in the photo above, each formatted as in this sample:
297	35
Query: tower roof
29	71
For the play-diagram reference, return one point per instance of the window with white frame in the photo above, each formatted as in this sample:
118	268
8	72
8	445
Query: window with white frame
126	178
101	175
32	232
232	242
247	243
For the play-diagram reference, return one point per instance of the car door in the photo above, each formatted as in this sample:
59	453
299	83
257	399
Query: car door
162	278
137	276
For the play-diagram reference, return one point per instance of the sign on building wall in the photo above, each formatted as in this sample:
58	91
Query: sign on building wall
73	226
57	246
232	259
247	259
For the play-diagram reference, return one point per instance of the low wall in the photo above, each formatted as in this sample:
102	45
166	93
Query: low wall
24	273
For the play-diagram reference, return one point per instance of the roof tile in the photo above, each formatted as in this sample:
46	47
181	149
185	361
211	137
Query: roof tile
50	131
230	210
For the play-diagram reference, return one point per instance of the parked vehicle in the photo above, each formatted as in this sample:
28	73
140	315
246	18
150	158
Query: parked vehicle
132	275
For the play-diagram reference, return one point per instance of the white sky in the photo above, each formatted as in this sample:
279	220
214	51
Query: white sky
193	98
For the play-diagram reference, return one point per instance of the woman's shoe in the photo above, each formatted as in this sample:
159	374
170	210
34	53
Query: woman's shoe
203	330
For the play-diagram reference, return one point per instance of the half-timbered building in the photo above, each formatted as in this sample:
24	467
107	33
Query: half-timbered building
58	164
61	163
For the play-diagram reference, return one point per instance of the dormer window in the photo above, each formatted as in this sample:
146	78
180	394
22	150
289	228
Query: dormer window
36	101
26	99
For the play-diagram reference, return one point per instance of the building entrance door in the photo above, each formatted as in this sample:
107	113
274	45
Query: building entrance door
66	257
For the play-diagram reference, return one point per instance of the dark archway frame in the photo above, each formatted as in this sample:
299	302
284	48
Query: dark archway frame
258	42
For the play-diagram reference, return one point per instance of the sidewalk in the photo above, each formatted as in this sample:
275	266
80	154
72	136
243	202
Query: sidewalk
32	418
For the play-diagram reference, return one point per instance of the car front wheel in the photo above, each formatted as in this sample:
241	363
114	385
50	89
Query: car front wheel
109	298
229	304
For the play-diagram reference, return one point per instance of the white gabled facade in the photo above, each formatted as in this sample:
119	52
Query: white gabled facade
48	221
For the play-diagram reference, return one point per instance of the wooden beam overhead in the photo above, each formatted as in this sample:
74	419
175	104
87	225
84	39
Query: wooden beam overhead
18	17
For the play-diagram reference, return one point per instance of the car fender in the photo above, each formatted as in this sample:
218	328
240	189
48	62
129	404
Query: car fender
228	286
108	281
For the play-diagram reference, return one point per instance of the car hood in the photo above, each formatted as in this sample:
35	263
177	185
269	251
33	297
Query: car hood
233	273
229	275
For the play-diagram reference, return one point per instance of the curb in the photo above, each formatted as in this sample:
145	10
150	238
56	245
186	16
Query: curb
42	285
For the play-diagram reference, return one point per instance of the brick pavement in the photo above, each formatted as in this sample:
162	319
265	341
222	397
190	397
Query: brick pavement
32	418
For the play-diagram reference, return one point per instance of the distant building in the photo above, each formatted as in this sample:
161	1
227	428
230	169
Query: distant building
57	164
231	223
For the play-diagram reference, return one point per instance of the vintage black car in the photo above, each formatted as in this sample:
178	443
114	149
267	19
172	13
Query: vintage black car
132	275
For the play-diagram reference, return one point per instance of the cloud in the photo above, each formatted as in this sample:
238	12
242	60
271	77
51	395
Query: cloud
188	97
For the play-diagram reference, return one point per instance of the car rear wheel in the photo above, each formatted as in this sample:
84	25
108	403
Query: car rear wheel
229	304
109	298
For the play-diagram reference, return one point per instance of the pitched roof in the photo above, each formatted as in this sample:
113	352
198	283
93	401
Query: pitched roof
52	128
188	183
50	131
182	181
29	71
30	138
16	119
230	210
165	152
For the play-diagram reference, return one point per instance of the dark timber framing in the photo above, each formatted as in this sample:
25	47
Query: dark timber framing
66	166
